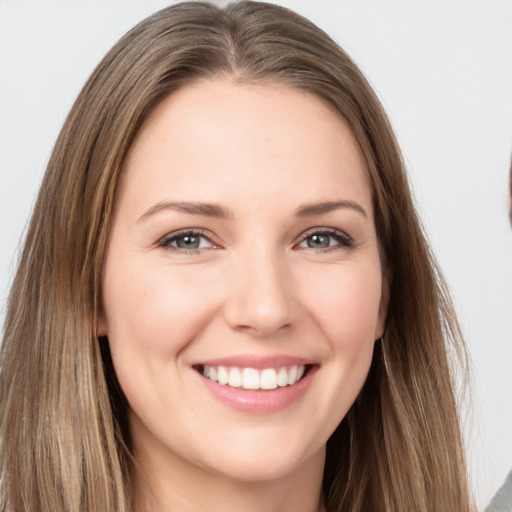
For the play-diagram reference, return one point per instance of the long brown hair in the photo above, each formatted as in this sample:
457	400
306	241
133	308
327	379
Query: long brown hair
64	439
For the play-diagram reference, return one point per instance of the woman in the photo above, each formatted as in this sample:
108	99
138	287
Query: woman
223	234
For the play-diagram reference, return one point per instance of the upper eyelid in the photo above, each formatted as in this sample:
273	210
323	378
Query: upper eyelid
188	231
325	230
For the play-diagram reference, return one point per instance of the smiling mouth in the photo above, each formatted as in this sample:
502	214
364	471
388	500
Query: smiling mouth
252	378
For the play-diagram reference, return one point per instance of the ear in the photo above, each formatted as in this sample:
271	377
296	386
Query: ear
383	310
101	325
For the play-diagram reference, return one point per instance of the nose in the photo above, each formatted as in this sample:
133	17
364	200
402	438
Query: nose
261	299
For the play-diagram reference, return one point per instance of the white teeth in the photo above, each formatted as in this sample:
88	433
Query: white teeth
268	379
235	378
292	375
250	378
282	377
222	376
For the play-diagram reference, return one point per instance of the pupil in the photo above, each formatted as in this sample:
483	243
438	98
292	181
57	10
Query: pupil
188	242
318	241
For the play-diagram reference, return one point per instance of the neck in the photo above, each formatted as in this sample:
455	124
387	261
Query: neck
163	482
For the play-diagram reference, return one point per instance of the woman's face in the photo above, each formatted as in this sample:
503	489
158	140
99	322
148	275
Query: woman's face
242	286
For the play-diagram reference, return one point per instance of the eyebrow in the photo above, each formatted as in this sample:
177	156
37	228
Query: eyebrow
219	212
308	210
205	209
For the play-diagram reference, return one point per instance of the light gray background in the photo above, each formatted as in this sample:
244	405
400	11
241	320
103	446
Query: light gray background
443	70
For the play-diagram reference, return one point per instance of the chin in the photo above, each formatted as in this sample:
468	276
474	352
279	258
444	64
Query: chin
265	464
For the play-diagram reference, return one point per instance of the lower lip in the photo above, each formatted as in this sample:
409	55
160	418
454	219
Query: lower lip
260	401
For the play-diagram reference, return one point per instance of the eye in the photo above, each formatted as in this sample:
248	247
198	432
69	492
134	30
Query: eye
187	241
325	239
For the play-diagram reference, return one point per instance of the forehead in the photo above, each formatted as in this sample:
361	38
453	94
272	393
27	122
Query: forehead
220	136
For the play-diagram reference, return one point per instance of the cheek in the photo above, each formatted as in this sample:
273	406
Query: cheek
158	309
152	315
345	302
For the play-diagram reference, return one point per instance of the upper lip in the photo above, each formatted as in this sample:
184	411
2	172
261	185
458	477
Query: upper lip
257	362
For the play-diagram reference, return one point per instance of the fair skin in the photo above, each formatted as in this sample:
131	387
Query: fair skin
243	241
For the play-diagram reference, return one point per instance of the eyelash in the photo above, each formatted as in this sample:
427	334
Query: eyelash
343	241
167	240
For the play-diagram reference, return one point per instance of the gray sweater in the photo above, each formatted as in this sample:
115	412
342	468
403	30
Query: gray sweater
502	501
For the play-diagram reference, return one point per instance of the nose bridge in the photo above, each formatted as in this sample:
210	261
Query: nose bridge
260	300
